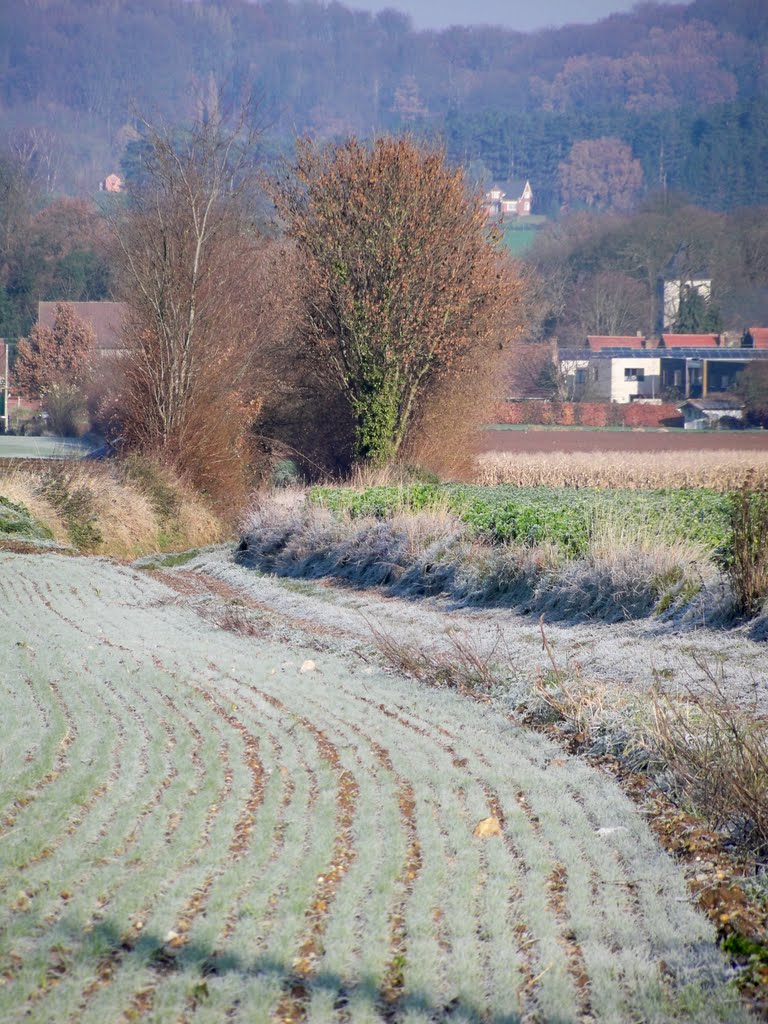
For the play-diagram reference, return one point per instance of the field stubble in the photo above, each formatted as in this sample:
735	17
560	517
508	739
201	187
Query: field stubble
718	470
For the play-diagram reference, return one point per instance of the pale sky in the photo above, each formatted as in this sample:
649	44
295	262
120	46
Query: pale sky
509	13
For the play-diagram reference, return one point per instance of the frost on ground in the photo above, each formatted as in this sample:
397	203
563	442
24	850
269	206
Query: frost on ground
633	657
201	826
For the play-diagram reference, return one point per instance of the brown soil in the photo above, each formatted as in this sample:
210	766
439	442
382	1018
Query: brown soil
536	439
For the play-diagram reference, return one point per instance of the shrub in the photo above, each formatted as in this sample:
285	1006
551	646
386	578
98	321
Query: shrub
717	756
747	564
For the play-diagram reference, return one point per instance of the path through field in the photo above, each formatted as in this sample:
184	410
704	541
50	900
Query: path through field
197	826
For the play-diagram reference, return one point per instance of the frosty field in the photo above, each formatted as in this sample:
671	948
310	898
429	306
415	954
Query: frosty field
197	826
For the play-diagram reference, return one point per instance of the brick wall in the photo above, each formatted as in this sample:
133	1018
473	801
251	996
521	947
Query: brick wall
588	414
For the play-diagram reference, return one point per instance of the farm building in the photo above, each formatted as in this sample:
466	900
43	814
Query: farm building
703	413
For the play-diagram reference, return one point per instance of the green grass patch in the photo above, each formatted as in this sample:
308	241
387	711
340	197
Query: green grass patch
565	517
181	558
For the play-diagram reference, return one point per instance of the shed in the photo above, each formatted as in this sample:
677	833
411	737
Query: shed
706	413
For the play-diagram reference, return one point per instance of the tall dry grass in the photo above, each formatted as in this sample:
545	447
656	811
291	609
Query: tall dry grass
720	471
105	510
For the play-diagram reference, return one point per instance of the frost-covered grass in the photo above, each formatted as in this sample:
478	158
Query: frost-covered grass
627	571
193	828
18	523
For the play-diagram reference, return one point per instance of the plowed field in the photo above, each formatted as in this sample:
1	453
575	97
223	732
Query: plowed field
564	440
203	827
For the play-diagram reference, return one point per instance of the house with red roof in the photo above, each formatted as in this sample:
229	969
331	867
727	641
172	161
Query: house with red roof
689	341
755	337
598	342
106	319
497	203
629	369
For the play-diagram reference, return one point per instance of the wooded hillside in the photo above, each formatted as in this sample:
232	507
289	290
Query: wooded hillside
683	85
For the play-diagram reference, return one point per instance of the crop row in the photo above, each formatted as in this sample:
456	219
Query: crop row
567	517
193	829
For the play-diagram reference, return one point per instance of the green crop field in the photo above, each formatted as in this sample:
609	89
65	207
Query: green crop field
561	515
203	827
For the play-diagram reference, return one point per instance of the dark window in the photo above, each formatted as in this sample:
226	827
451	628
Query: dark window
634	373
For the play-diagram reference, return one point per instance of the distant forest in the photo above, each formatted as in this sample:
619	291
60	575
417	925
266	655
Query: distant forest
683	88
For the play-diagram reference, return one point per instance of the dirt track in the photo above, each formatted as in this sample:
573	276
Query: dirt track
535	439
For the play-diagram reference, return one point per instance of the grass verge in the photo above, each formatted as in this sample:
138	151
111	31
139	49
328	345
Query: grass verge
118	509
627	571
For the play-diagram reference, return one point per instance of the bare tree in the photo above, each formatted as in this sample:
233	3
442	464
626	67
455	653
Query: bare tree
608	302
193	268
405	284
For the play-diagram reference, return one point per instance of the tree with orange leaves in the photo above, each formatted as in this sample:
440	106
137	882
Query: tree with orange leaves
403	278
54	357
54	365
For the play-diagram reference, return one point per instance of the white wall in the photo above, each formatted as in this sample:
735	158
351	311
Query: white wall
623	390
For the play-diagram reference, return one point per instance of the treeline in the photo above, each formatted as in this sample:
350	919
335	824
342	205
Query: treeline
717	155
371	330
680	84
50	248
599	273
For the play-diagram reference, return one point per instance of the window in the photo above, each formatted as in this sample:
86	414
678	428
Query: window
634	373
581	376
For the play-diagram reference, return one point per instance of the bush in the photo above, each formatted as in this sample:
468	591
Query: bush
67	412
716	754
747	564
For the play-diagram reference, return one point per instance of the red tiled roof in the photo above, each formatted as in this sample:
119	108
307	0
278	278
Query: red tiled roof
759	336
106	319
597	342
690	340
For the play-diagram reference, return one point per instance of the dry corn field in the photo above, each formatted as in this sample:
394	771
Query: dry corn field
718	470
202	827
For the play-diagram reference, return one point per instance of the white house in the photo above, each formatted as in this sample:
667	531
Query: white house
497	203
628	369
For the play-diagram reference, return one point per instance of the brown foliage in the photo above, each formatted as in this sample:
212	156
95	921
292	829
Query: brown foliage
601	173
54	357
404	287
200	284
753	388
